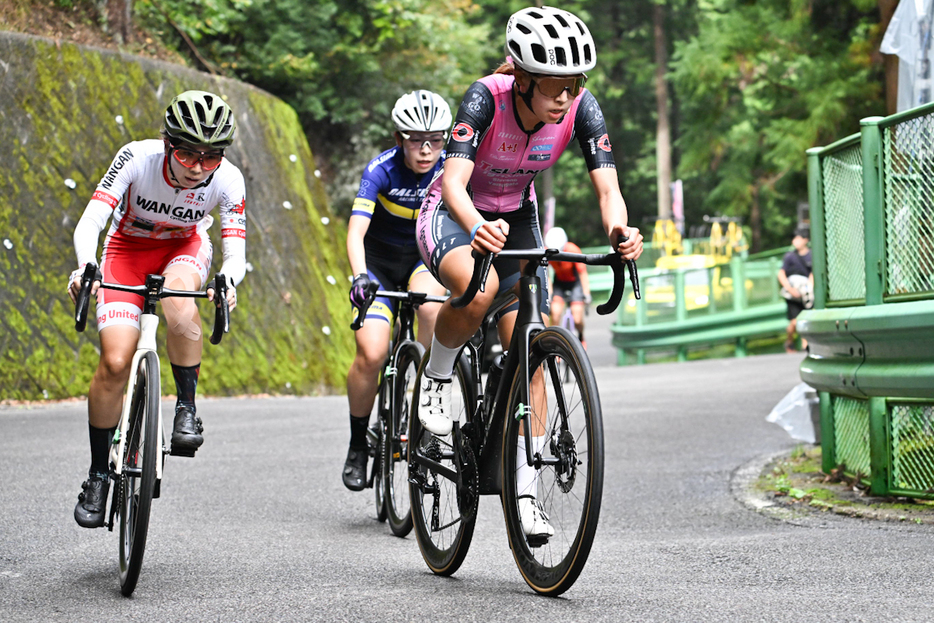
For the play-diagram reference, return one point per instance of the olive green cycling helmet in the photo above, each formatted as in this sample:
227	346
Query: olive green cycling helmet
200	118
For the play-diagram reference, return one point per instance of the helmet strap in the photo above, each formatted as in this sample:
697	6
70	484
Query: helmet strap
168	164
527	95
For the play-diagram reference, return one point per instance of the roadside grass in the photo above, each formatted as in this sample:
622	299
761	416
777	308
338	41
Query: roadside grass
797	482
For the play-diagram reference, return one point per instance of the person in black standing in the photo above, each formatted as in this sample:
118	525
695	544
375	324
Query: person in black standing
797	280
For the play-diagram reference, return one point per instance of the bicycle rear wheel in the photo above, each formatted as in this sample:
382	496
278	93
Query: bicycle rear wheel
396	457
568	486
138	481
442	527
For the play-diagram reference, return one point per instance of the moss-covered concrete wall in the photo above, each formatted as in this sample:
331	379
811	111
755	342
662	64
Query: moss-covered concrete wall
65	110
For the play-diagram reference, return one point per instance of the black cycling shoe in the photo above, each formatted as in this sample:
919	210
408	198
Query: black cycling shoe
354	474
186	436
92	501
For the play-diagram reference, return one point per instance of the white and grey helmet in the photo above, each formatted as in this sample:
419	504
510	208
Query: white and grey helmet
422	111
550	41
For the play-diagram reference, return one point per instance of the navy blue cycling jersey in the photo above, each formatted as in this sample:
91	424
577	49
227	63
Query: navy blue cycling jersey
391	195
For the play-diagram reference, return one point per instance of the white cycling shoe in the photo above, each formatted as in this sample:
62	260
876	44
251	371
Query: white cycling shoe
533	518
434	405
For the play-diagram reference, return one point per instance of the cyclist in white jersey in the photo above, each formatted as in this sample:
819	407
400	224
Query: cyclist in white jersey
159	194
509	127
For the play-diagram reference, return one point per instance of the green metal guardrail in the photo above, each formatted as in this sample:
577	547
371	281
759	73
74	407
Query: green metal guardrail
686	307
871	334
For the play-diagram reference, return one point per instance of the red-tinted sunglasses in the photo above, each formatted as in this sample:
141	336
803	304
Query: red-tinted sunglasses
209	160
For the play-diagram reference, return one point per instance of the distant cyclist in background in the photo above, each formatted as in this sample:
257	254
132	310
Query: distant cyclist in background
382	251
159	193
571	285
510	126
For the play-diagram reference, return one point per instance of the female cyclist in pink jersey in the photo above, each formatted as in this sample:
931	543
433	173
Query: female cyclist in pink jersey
159	194
510	126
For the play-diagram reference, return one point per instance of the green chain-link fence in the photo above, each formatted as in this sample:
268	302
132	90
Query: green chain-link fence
871	332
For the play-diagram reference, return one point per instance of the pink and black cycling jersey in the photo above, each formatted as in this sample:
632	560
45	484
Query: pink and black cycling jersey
146	204
506	158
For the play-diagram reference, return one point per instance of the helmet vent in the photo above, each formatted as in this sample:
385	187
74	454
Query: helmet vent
523	29
551	31
588	54
538	53
580	27
516	50
561	58
536	15
575	51
562	21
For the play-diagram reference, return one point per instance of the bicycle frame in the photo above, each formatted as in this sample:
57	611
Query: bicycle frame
148	325
152	291
528	322
488	445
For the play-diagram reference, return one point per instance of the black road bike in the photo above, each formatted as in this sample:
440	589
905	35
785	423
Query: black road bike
558	417
138	451
388	436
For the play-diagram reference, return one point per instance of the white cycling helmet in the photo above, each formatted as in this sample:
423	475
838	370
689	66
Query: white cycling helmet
422	111
556	238
550	41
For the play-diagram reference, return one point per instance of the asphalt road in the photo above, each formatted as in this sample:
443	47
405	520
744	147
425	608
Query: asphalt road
258	526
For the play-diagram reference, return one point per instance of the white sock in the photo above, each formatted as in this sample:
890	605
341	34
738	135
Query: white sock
441	362
526	475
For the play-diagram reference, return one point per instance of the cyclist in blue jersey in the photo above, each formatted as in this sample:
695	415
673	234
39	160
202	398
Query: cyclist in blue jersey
382	249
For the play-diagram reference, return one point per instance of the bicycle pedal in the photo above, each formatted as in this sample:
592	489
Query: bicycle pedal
189	452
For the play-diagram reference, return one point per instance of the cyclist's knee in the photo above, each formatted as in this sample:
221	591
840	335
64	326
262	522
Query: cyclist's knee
114	366
182	319
369	360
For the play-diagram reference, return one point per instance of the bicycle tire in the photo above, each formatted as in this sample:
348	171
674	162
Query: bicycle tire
138	480
569	492
377	474
443	549
396	458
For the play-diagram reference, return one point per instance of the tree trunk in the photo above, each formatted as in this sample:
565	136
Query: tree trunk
663	130
886	10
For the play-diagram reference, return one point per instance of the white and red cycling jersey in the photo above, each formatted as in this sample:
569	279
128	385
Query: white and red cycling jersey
156	225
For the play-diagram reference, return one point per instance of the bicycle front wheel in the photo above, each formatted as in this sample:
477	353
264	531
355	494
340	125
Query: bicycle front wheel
396	457
443	514
138	481
377	450
566	482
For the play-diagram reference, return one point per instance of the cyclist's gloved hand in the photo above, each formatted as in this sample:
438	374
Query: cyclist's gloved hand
358	291
74	282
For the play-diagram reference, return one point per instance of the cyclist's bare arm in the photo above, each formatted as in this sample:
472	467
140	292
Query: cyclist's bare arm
614	214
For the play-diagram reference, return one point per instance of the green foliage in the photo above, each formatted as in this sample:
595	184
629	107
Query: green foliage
290	330
759	84
341	65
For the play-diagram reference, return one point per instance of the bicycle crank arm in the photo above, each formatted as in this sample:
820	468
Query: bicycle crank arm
438	468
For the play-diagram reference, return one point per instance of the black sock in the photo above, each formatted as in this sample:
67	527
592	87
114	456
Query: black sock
358	427
186	383
101	439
